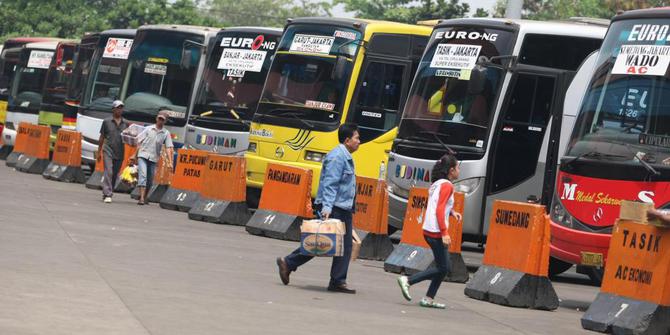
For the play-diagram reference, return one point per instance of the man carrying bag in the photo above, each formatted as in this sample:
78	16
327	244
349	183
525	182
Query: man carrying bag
334	199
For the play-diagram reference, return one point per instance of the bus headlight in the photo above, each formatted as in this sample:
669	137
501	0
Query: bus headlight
314	156
252	147
559	215
467	186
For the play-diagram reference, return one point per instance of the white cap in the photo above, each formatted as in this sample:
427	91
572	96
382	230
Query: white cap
117	103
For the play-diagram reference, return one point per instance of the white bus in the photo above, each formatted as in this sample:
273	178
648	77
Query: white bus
102	68
164	71
492	91
231	88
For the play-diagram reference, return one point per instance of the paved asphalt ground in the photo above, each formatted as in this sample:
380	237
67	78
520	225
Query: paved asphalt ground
70	264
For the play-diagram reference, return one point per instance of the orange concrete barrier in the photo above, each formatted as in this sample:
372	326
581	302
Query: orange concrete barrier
35	157
413	253
223	195
285	202
187	181
370	218
19	144
65	164
635	294
128	152
95	180
516	260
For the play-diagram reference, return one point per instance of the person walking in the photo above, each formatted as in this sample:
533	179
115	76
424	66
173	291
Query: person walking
111	147
435	230
334	199
150	143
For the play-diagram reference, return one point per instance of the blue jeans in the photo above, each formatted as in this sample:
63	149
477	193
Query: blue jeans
435	274
340	265
145	172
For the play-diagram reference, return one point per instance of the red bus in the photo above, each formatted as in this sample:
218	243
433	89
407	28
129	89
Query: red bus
620	145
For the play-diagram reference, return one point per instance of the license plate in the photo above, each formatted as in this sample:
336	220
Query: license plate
592	259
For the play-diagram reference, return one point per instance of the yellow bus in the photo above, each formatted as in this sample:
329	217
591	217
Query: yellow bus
328	71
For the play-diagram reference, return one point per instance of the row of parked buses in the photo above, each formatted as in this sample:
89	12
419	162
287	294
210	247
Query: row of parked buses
504	95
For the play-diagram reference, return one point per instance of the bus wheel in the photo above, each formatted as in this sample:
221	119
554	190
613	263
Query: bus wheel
391	230
596	275
557	266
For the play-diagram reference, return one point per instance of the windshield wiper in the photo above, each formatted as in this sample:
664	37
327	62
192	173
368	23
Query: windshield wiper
295	115
646	165
593	154
437	137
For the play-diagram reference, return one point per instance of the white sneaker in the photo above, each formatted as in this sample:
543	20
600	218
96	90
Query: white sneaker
108	200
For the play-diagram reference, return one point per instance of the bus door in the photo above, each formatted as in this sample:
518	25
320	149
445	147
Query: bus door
379	96
520	144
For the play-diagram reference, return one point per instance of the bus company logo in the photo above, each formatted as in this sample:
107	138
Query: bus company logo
464	35
412	173
261	133
219	141
598	215
649	32
570	192
300	140
249	43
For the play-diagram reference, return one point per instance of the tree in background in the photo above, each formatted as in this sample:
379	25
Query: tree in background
266	13
72	18
563	9
409	11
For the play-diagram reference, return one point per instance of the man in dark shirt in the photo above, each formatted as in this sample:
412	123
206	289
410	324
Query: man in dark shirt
111	148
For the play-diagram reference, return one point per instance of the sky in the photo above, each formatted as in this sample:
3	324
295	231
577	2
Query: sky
338	11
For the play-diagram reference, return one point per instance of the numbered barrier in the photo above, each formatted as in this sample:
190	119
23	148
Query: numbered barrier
285	202
635	294
35	157
162	179
65	164
413	254
223	195
95	180
370	218
186	184
516	260
128	152
19	144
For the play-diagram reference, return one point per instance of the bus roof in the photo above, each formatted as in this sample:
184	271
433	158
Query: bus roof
119	32
251	29
562	28
177	27
50	45
368	26
649	13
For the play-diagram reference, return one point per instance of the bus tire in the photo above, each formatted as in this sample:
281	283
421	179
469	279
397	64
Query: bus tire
391	230
596	275
557	266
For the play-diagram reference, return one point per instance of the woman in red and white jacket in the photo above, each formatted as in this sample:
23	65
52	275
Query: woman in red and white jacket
435	230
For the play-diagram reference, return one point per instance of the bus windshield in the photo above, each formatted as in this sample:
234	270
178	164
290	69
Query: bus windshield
29	79
82	67
625	114
157	79
59	74
105	84
454	93
301	83
234	77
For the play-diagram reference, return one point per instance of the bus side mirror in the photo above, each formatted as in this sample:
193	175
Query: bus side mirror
477	80
186	54
340	68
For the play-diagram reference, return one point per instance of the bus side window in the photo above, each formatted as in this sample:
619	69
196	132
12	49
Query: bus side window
524	123
378	101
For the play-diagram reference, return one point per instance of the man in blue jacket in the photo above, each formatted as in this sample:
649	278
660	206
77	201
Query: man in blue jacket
334	199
